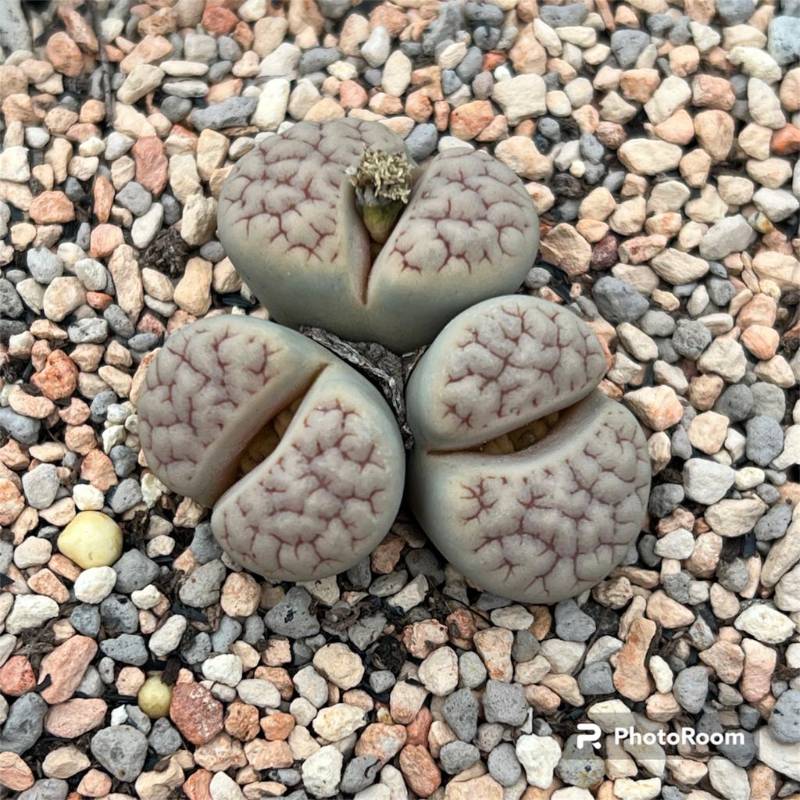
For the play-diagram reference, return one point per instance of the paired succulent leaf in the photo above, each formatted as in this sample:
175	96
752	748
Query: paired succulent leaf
296	216
298	454
532	483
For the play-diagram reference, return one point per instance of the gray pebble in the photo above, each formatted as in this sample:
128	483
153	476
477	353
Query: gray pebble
774	523
783	42
482	85
680	33
135	198
471	669
618	301
138	718
118	321
198	650
720	290
503	765
563	16
733	576
367	630
202	587
174	108
233	112
572	624
44	265
768	400
134	571
525	646
446	25
92	274
119	615
595	678
458	756
204	546
226	634
470	65
677	586
422	141
580	766
657	323
381	681
292	616
665	498
784	721
86	619
691	688
199	47
124	460
24	723
24	429
253	629
41	485
764	440
691	338
490	734
736	402
317	59
90	330
126	649
740	753
626	45
505	703
460	711
359	773
591	149
121	750
127	494
163	738
735	12
46	789
334	9
450	81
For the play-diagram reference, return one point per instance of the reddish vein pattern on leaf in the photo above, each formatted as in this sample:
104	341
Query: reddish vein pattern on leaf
510	362
194	388
470	213
318	498
558	522
286	193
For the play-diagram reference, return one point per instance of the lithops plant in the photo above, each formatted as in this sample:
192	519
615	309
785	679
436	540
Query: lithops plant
298	454
331	226
527	478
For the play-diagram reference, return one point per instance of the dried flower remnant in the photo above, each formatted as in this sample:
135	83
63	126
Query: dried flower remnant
530	482
383	184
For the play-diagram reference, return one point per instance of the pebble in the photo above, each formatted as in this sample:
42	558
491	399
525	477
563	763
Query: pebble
539	756
94	584
658	146
292	616
322	772
504	703
460	710
784	721
91	539
121	750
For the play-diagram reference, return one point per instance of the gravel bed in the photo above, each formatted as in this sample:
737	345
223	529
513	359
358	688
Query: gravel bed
659	144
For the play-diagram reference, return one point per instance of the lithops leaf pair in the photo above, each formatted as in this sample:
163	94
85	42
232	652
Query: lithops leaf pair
298	454
530	481
292	220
